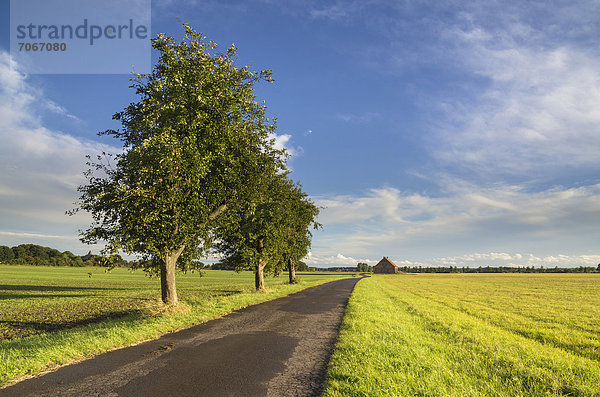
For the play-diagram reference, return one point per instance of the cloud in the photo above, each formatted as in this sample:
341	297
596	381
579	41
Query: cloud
358	118
41	168
335	11
283	142
493	259
540	112
61	242
472	260
34	236
517	259
463	204
334	260
56	108
490	257
405	225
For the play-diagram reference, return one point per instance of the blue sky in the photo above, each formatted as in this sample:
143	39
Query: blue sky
454	132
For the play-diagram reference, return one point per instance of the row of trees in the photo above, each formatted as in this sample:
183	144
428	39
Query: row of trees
200	173
32	254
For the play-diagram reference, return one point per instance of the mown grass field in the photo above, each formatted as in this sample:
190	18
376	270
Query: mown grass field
51	316
470	335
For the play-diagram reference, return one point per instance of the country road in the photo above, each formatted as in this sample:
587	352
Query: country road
276	348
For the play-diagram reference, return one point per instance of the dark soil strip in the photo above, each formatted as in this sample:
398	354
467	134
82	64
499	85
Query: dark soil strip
277	348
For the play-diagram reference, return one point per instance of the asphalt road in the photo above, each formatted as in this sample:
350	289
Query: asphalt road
277	348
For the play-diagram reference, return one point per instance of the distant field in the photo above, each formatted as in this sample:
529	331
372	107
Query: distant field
55	315
470	335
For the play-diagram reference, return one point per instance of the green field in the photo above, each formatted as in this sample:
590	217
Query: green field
470	335
56	315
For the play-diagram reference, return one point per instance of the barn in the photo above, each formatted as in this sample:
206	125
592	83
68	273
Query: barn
385	266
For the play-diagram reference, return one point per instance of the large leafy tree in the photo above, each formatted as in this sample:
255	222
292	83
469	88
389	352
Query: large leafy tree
196	144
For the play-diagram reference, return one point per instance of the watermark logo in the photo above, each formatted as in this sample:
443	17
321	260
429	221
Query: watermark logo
81	36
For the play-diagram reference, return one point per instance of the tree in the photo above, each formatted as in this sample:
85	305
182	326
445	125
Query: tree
270	233
298	215
195	146
6	254
251	237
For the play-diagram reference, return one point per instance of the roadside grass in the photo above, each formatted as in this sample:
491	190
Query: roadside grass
470	335
54	316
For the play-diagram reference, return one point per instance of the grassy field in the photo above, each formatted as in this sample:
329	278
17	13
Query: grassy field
52	316
470	335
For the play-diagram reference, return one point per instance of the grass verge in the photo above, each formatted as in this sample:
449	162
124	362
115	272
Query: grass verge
469	335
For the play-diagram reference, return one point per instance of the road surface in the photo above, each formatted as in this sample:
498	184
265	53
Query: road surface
276	348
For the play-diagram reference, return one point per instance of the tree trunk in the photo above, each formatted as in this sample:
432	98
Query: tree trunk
292	271
259	276
167	277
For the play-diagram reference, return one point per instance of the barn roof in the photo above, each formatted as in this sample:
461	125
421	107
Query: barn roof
386	260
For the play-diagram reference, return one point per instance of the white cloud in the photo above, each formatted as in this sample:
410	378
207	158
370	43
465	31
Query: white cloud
517	259
56	108
359	117
492	256
334	260
41	168
479	258
60	242
409	226
333	12
34	236
283	142
540	110
471	260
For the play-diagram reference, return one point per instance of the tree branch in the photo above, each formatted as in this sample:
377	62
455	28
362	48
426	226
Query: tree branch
220	210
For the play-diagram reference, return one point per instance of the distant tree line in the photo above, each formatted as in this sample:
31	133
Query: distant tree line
333	269
499	269
364	268
32	254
